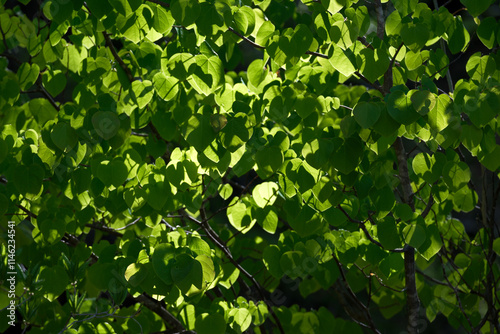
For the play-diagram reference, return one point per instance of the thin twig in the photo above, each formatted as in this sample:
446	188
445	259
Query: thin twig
246	39
222	246
118	59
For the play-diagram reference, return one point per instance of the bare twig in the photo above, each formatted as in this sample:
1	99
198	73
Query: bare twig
222	246
350	302
246	39
118	59
157	308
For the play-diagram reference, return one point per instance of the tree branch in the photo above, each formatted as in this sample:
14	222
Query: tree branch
412	299
350	302
380	19
246	39
118	59
157	308
367	234
221	245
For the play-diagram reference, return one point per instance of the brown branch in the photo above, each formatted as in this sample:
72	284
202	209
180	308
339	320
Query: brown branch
388	79
317	54
246	39
157	308
104	228
221	245
28	212
358	312
380	19
377	87
365	230
428	207
412	299
118	59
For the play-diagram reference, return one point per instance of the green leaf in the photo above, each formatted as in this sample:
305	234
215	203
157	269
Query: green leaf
456	175
240	217
333	6
265	194
166	87
271	258
423	101
291	263
427	167
113	172
414	235
459	37
268	219
198	132
61	10
53	230
415	35
343	34
400	107
244	20
240	319
318	152
486	31
480	68
393	24
199	246
386	125
302	38
236	132
269	159
208	74
185	12
125	7
141	92
340	62
496	246
207	267
366	114
432	244
257	72
64	136
388	234
54	281
348	156
265	31
476	7
210	324
28	179
163	259
373	64
177	65
439	117
99	8
27	75
54	81
405	7
135	274
225	191
186	272
106	124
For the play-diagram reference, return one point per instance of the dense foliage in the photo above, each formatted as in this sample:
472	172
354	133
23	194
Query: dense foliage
270	166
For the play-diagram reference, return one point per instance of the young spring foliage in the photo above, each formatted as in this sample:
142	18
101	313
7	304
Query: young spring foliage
270	166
